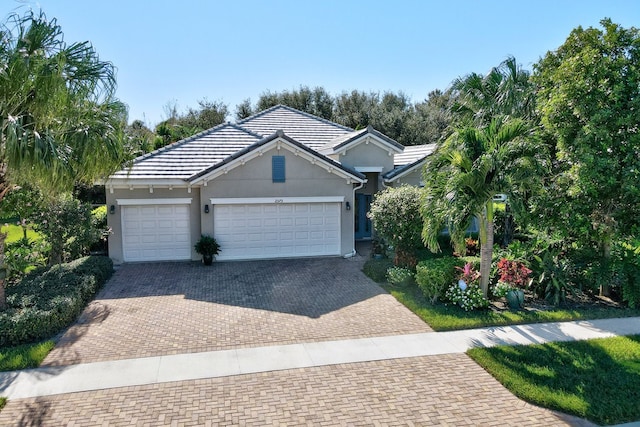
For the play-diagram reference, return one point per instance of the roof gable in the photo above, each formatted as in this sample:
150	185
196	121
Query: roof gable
279	139
369	134
306	128
186	157
413	158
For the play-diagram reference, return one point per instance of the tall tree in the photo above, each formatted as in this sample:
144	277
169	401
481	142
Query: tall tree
59	120
244	109
589	98
316	101
463	175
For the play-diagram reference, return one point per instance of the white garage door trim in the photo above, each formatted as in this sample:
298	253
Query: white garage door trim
265	200
277	229
156	231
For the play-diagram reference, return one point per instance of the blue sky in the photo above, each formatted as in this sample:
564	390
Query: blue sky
183	51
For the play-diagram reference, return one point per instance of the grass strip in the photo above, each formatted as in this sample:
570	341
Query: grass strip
24	356
597	379
449	317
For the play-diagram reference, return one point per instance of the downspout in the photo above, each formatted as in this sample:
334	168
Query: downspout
353	251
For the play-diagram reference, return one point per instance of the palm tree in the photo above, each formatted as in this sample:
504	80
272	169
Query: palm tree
464	174
59	120
505	91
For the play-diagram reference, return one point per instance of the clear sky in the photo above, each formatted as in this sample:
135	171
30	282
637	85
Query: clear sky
185	50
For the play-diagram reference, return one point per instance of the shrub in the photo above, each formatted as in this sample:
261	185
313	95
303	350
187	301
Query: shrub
68	226
24	255
400	276
435	275
47	300
468	298
376	269
395	213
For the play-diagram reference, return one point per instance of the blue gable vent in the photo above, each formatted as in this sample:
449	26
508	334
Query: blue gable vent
277	168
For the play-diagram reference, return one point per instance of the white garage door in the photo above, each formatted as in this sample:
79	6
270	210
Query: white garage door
156	233
277	230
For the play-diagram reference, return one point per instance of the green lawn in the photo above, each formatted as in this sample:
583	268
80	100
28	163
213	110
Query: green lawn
15	233
597	379
446	318
24	356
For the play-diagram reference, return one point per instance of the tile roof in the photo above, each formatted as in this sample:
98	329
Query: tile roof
306	128
262	142
412	153
339	142
409	159
185	158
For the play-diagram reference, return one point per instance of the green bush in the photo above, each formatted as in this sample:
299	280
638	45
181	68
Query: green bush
47	300
434	276
376	269
395	214
24	255
400	276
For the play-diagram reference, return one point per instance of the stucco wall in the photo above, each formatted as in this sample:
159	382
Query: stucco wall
412	178
115	220
371	155
303	179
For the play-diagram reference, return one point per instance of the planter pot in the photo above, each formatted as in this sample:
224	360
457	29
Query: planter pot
207	259
515	299
378	256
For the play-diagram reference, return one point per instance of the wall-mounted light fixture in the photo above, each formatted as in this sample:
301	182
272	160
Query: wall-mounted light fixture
112	209
206	208
348	206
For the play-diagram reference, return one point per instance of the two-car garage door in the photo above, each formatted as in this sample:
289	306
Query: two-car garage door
277	230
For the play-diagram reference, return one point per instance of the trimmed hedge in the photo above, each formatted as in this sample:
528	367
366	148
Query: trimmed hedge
48	300
435	275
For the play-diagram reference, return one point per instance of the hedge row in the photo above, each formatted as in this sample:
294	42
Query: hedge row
48	300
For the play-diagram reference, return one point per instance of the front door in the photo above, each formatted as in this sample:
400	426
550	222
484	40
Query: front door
363	224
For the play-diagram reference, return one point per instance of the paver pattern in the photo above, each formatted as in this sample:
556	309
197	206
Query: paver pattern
157	309
432	390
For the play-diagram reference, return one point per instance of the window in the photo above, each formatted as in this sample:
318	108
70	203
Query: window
277	168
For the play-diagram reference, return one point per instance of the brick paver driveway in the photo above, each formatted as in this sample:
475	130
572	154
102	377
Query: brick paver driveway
157	309
153	309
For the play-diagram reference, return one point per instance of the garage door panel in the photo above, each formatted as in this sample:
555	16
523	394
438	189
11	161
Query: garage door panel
156	233
277	230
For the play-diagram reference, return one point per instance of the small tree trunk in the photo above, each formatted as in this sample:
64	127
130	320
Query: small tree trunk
605	288
3	274
486	248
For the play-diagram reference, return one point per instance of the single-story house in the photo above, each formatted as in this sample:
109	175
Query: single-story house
281	183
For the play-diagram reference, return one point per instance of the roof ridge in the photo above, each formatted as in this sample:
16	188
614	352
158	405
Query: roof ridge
294	110
183	141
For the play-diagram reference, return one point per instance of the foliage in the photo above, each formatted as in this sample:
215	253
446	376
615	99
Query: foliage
464	174
24	356
555	270
469	298
513	273
15	233
24	255
595	379
589	96
179	126
435	275
316	101
451	317
395	214
466	291
48	300
59	121
67	226
21	203
627	255
207	245
400	276
376	269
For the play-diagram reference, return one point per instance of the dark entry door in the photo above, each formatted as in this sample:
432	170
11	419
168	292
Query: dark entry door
363	224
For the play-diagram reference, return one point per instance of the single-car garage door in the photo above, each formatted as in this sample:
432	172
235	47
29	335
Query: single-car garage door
277	230
156	232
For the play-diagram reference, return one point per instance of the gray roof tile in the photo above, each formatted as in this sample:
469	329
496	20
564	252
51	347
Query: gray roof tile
312	131
185	158
412	153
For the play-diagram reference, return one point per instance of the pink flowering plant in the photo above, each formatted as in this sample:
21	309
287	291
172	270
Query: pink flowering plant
466	291
513	275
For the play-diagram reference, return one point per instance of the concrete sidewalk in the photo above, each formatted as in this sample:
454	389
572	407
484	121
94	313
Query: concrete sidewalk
192	366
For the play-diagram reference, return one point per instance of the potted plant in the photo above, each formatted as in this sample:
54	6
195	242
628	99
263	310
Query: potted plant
514	276
208	247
